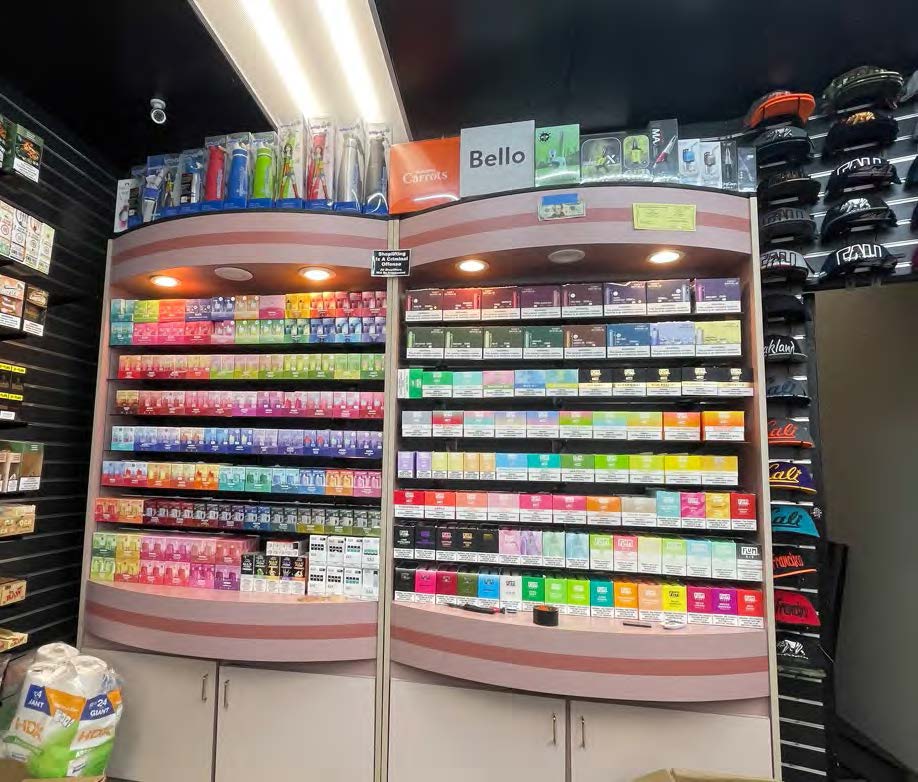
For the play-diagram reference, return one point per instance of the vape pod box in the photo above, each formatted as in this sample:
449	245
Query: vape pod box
463	342
646	467
639	511
668	297
553	550
500	303
718	338
543	342
645	425
724	425
710	164
511	590
625	298
724	606
577	597
748	561
650	602
561	382
601	598
750	608
569	509
578	468
466	586
437	384
496	384
600	551
629	381
675	603
334	580
636	157
575	424
604	510
531	547
584	341
528	382
719	470
650	555
488	589
503	342
536	508
594	382
625	553
718	295
461	304
544	467
698	558
503	507
557	155
425	342
664	150
533	589
581	300
540	301
478	423
446	423
556	592
682	426
674	557
541	424
698	605
717	510
742	512
625	599
693	510
466	385
447	583
682	469
673	338
628	340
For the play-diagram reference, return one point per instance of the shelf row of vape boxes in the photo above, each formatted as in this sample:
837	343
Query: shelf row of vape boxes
20	465
321	304
25	239
290	518
12	387
206	476
579	550
16	520
416	383
303	331
252	404
684	338
661	509
22	307
347	443
649	601
674	469
263	366
708	426
574	300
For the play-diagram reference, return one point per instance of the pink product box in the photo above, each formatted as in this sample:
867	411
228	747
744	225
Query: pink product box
503	507
229	551
245	403
226	577
367	483
171	333
199	332
509	542
203	550
694	510
536	508
201	576
224	332
175	548
153	547
271	307
151	572
145	334
569	508
176	573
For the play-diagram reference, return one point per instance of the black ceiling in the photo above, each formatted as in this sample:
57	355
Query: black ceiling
620	63
94	65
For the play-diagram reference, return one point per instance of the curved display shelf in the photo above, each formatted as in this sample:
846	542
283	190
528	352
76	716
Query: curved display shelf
591	658
231	625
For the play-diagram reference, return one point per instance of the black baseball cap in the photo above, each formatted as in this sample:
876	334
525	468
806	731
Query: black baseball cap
784	305
786	389
862	173
790	562
911	178
786	144
793	186
866	84
787	431
861	257
797	652
790	475
783	265
786	223
860	129
779	347
859	211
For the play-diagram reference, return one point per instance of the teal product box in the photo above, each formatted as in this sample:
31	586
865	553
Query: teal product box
231	478
576	549
467	385
723	559
628	340
602	599
544	466
122	333
674	556
553	548
557	155
698	558
122	310
258	479
529	382
561	382
488	586
669	509
511	466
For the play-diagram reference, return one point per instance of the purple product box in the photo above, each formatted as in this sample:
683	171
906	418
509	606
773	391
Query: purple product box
244	441
668	297
423	464
672	338
625	298
265	441
540	301
290	441
405	466
226	577
197	309
581	300
628	340
721	294
314	440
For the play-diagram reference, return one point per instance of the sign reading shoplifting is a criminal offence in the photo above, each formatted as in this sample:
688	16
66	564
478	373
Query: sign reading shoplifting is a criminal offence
390	263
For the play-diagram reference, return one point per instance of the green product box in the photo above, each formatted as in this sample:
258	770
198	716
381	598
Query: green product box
602	597
553	551
351	368
466	584
230	368
612	467
247	332
270	366
23	155
310	529
231	478
555	590
533	589
543	342
578	596
296	366
339	366
410	383
437	384
463	342
561	382
557	155
121	334
297	330
578	467
146	311
372	366
468	384
503	342
600	551
102	569
313	365
121	309
324	366
258	479
646	467
103	544
270	332
576	424
425	342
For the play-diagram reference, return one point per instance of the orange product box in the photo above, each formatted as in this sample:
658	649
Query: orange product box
105	509
171	310
423	174
724	425
717	509
626	599
127	571
129	510
471	505
650	602
684	426
210	476
439	505
604	510
159	475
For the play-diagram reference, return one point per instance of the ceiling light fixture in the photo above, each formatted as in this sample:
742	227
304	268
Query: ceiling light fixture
164	281
342	32
665	256
233	273
277	46
316	273
472	265
567	255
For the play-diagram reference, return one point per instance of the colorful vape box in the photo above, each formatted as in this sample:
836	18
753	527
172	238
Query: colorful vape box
469	385
748	561
601	598
461	304
569	509
533	589
472	506
553	551
543	342
531	547
694	510
672	338
625	298
682	426
724	606
699	605
578	468
645	425
698	558
628	340
668	297
604	510
650	602
625	553
724	425
750	608
718	338
646	468
436	385
719	470
504	342
500	303
536	508
674	554
650	555
425	342
577	597
498	384
682	469
594	382
424	305
717	510
675	603
581	300
575	424
625	599
600	551
544	467
527	383
540	301
584	341
718	295
742	512
510	424
639	511
463	342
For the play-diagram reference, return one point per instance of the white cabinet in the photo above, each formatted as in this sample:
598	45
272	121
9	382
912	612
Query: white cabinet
293	725
168	713
454	734
615	743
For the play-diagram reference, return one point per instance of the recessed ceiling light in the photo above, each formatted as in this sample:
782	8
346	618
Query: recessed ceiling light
316	273
164	280
567	255
233	273
471	265
665	256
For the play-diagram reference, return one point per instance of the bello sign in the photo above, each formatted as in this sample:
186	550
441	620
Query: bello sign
496	158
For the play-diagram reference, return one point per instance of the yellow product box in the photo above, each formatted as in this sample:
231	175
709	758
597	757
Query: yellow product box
645	425
439	465
646	468
455	465
127	545
724	425
102	569
12	590
471	466
675	603
717	509
682	426
487	466
682	469
719	470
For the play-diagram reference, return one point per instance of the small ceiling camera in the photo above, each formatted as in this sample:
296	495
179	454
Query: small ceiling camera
158	111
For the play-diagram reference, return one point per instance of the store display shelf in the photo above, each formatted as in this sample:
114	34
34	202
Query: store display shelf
588	320
215	420
231	625
561	402
254	347
584	656
569	362
557	487
118	525
59	293
280	384
263	459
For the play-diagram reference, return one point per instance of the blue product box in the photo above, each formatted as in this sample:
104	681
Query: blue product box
342	330
197	310
348	443
489	586
244	441
290	442
265	441
212	440
310	448
577	549
169	439
264	517
278	477
511	466
628	340
542	423
529	382
223	439
223	308
355	328
144	438
335	443
672	338
669	509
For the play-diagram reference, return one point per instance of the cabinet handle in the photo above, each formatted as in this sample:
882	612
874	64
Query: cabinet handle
554	729
204	679
582	732
226	694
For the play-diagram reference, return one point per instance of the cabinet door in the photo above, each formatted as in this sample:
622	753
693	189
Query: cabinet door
168	713
615	743
454	734
294	725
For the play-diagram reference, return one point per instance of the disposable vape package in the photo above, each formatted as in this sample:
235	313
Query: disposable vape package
728	165
290	181
601	159
376	182
350	163
557	155
151	200
320	166
710	168
263	185
747	178
636	157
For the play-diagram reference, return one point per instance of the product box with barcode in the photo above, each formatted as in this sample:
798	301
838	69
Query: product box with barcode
668	297
585	341
425	342
500	303
625	298
540	301
718	295
581	300
628	340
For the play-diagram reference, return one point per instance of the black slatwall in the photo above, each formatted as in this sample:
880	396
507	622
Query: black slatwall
75	195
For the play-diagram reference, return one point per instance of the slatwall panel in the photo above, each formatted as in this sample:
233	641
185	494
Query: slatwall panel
75	196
